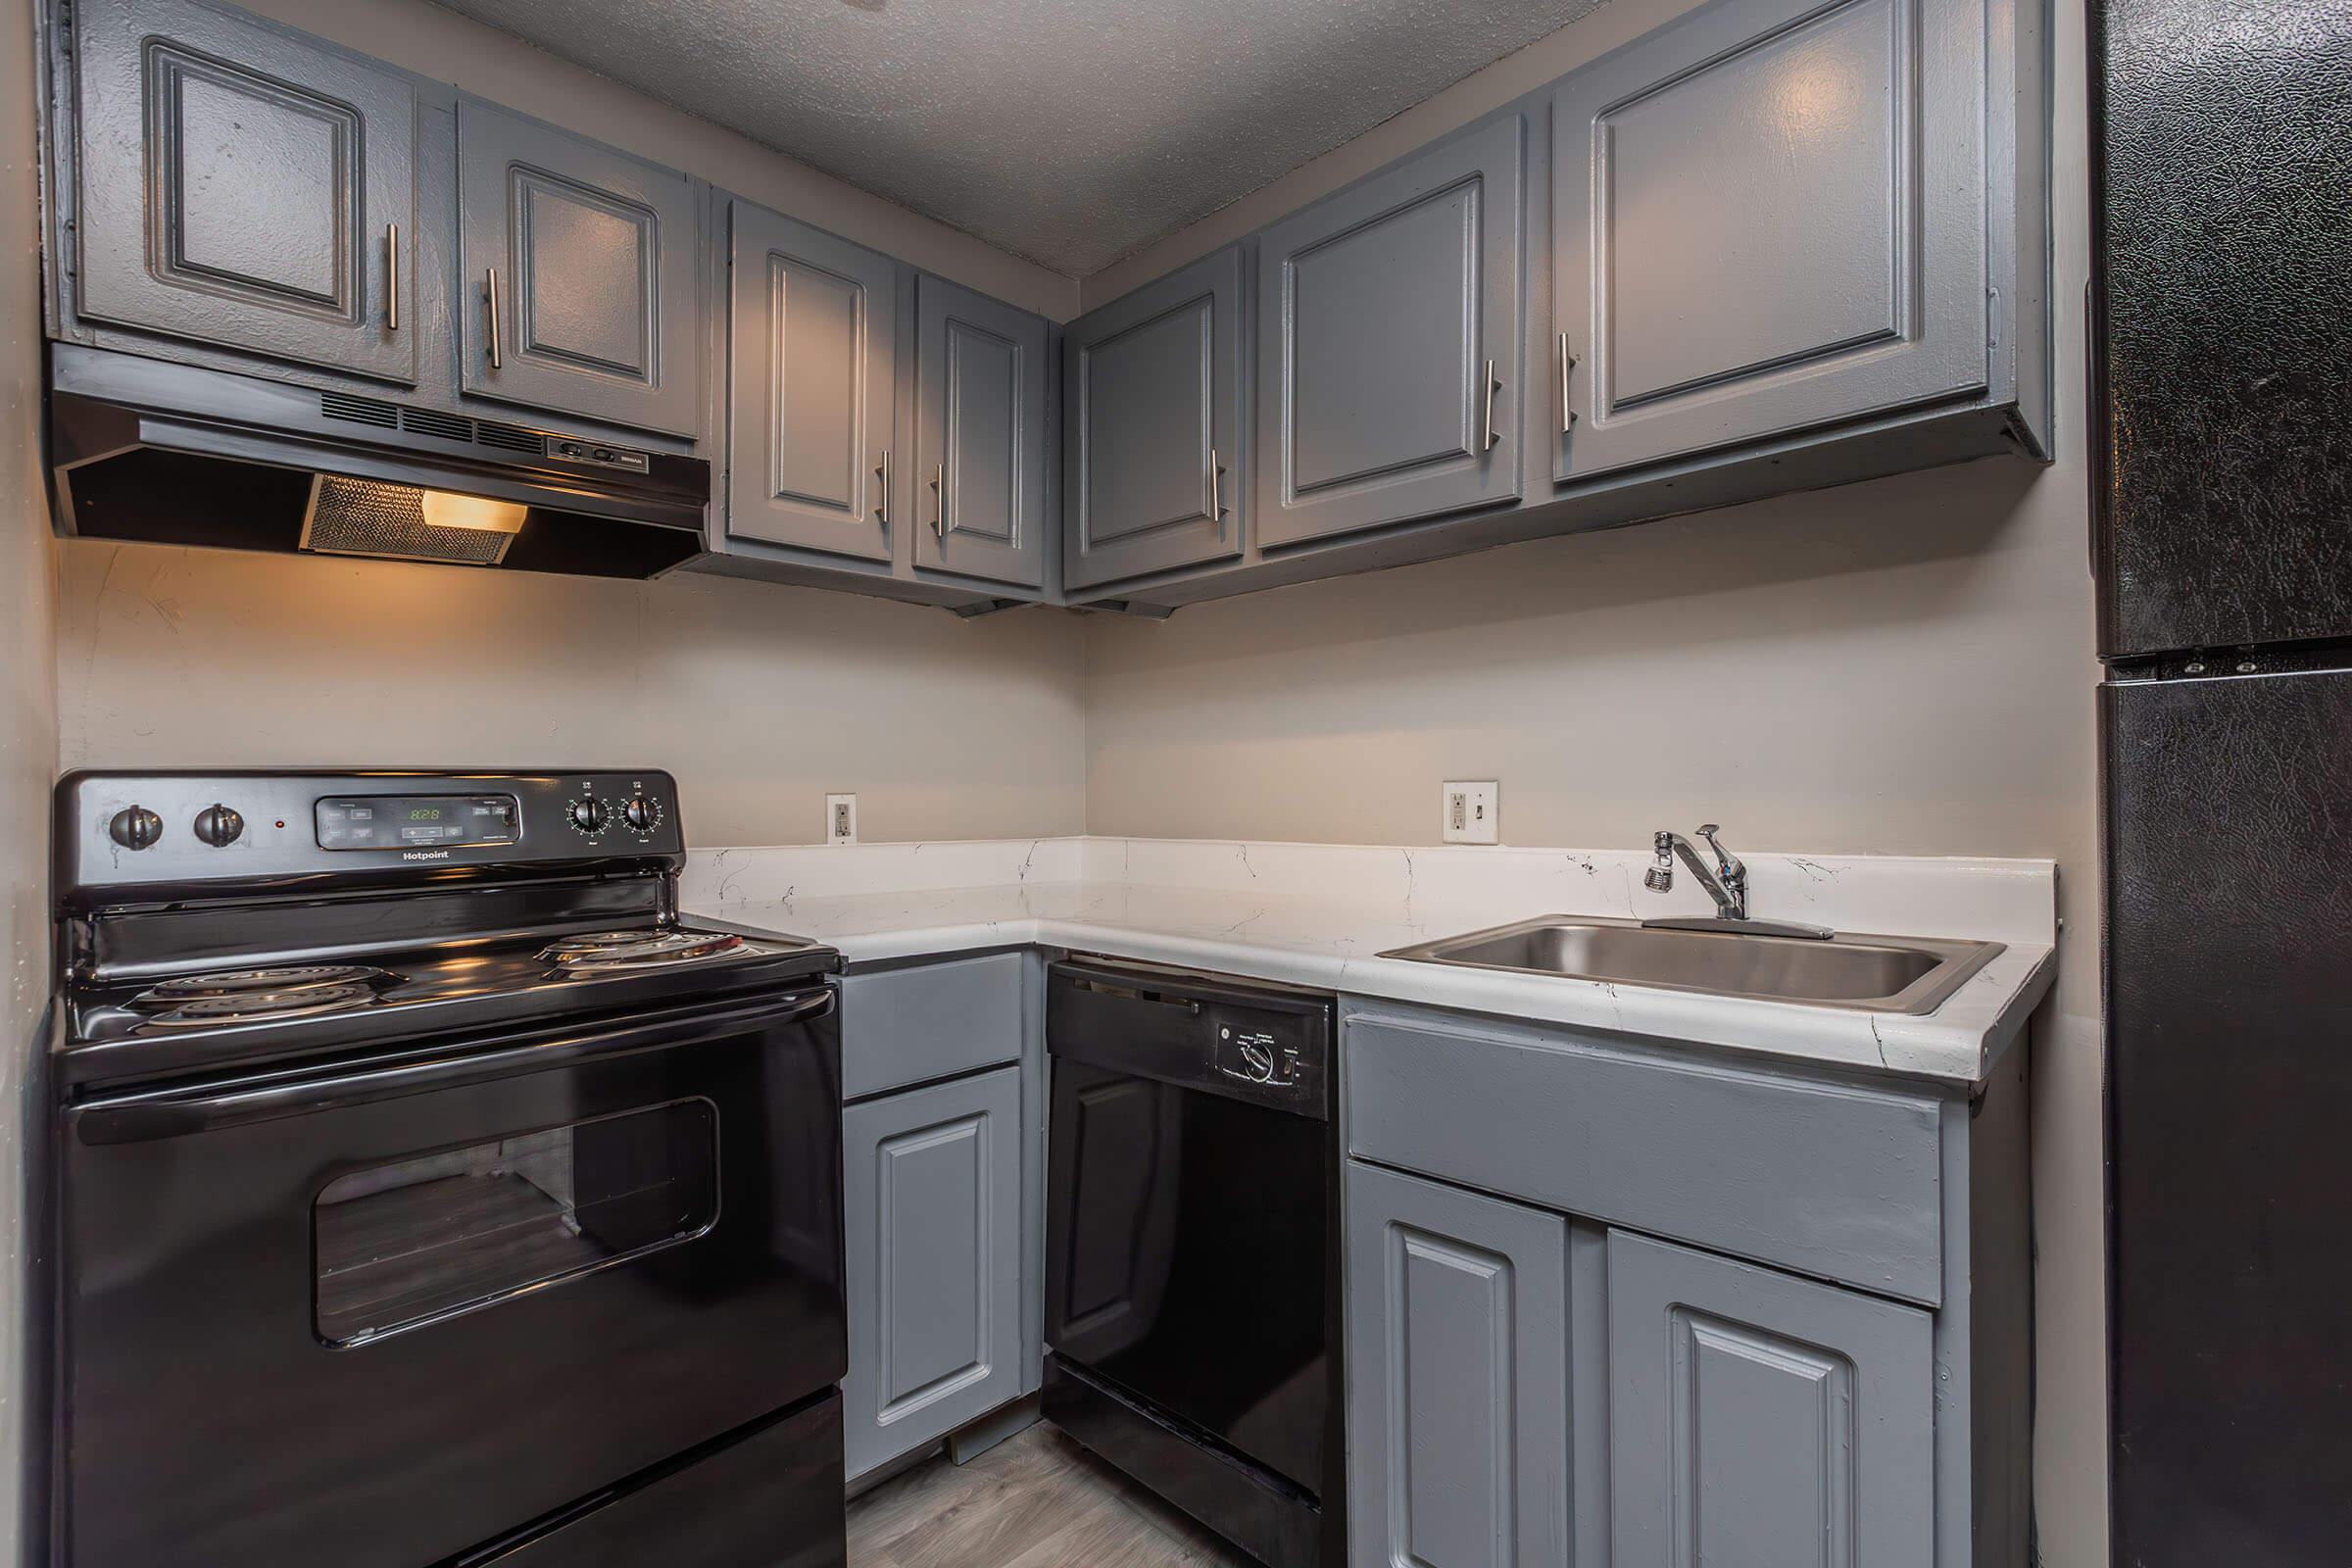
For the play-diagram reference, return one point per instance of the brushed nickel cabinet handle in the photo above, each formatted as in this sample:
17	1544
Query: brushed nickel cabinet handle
938	497
1489	436
490	294
1216	492
882	473
391	278
1567	364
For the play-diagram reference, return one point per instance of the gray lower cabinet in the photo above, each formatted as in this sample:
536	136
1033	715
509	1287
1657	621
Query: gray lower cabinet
933	1206
811	387
980	436
243	186
1389	343
1755	1418
580	276
1458	1378
1156	474
1767	215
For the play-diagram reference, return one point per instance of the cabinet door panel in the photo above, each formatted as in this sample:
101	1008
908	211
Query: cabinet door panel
1769	216
1458	1404
932	1192
1762	1419
596	308
1154	389
1380	310
980	428
811	387
245	187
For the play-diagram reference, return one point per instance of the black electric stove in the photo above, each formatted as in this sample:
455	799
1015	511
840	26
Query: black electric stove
409	1146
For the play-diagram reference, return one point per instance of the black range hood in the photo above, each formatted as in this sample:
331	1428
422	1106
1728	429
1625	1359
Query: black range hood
158	452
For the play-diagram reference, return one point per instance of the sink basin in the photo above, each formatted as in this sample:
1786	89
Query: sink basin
1866	973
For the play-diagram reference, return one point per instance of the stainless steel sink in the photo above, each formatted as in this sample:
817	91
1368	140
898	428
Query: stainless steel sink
1866	973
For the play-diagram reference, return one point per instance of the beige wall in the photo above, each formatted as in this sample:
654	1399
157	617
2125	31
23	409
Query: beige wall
1898	668
498	65
760	699
27	712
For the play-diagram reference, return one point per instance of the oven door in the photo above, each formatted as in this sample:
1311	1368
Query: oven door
378	1316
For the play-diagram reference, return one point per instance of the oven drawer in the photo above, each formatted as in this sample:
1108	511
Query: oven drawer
771	1498
498	1279
911	1026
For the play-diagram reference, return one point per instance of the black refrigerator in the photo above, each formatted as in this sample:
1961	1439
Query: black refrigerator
2222	424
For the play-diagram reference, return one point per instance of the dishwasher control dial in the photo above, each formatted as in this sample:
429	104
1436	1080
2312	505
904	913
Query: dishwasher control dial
1256	1058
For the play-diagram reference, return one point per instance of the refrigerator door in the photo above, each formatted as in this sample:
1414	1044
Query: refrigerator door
2230	1104
2222	321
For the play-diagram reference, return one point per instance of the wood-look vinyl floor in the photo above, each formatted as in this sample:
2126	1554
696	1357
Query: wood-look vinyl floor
1034	1500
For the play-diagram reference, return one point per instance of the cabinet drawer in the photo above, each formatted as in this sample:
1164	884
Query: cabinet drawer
908	1026
1838	1182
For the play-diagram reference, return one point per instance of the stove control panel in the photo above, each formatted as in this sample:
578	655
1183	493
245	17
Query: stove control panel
149	831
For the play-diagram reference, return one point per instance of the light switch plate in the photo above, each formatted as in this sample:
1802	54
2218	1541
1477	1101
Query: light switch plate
841	819
1472	813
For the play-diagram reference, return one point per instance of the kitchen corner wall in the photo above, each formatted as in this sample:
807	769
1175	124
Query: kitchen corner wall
27	724
1904	667
760	699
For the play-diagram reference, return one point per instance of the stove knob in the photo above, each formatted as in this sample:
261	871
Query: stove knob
219	825
641	812
588	814
135	827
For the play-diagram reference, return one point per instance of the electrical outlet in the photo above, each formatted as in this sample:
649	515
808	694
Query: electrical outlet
1472	814
841	819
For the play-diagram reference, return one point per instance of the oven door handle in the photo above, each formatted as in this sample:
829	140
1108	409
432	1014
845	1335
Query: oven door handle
177	1114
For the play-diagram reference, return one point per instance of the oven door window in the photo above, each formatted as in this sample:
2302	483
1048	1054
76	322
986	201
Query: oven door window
404	1245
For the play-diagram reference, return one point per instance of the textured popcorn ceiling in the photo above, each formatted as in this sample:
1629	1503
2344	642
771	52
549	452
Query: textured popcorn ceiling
1066	131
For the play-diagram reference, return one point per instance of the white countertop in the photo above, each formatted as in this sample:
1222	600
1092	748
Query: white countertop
1319	915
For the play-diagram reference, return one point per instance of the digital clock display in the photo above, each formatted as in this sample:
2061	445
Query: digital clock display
416	822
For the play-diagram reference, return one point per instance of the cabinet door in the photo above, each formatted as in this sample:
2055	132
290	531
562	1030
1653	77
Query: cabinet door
1389	344
932	1190
811	387
243	186
579	292
980	436
1768	215
1762	1419
1457	1374
1154	473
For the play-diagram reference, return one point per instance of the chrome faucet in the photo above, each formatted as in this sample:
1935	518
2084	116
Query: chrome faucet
1726	881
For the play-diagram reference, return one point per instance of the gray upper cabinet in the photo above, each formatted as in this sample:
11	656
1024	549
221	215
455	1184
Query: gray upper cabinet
1768	215
1155	471
812	386
980	436
1459	1367
932	1198
245	187
580	276
1389	343
1758	1418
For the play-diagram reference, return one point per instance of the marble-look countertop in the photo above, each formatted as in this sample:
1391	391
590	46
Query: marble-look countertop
1320	916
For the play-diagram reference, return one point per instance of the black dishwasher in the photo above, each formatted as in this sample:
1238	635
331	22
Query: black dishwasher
1191	1305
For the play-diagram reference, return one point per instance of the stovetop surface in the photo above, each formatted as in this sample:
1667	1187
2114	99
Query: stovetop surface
235	1014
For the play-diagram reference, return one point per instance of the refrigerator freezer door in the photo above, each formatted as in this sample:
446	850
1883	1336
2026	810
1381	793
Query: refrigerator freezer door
2229	1101
2223	408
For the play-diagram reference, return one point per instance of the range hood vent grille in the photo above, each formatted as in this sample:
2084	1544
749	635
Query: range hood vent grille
358	410
432	422
448	426
513	437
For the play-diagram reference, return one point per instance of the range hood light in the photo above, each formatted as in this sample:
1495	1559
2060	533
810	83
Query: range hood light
446	509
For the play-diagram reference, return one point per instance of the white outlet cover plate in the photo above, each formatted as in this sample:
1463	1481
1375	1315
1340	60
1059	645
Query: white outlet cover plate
1471	812
834	805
